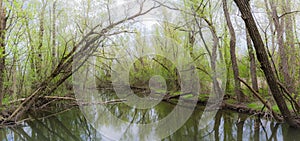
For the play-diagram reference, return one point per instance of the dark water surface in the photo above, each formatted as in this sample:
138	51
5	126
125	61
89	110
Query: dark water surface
226	126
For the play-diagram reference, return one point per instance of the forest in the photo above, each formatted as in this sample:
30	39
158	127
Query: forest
239	56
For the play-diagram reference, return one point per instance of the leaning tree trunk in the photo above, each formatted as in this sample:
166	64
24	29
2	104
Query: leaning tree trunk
79	54
252	62
262	57
235	68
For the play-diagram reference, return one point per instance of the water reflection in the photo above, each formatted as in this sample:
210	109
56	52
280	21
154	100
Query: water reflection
70	125
226	126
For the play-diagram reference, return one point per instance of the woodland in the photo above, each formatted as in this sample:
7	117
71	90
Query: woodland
247	51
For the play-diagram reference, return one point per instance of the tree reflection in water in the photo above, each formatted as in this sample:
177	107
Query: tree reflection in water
226	126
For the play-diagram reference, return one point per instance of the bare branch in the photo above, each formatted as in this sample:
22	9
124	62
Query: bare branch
288	13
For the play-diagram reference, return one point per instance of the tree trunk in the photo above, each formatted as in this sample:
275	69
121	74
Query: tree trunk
3	20
262	57
252	62
212	54
39	58
228	64
216	86
284	67
289	45
14	76
54	36
269	13
239	93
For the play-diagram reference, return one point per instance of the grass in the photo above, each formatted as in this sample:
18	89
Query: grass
258	106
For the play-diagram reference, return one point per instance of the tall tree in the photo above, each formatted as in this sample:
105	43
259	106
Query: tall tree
54	34
284	67
3	20
235	68
199	11
262	57
252	62
290	43
39	58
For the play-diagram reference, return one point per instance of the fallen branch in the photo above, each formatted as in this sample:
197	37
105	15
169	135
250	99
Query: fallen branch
16	101
5	122
167	97
21	106
59	98
45	97
102	102
257	95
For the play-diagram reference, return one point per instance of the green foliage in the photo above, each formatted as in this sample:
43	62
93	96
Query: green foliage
244	68
203	97
276	108
231	101
255	105
6	100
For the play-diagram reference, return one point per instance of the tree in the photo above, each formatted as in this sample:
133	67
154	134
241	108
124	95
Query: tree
290	44
199	16
54	54
284	67
39	58
252	62
79	54
244	8
3	20
235	68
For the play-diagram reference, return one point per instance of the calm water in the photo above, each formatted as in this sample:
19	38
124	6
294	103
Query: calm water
226	126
